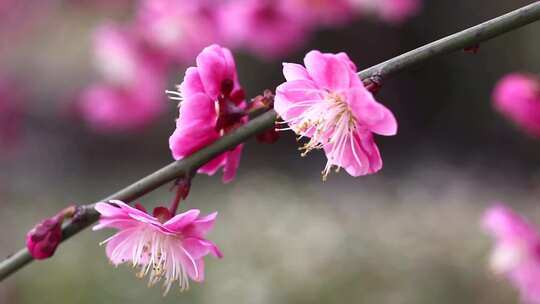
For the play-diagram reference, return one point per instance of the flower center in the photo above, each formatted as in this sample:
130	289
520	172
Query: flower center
229	107
328	122
321	122
156	255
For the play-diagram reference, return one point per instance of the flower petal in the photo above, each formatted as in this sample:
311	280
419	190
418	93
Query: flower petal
200	227
192	83
370	113
294	71
120	247
180	221
329	71
294	97
232	163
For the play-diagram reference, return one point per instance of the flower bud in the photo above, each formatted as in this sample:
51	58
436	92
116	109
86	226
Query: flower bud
43	239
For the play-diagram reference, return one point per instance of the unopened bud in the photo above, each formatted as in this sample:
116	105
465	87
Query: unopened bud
43	239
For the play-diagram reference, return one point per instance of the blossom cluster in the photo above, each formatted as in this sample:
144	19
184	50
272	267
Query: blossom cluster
324	101
132	58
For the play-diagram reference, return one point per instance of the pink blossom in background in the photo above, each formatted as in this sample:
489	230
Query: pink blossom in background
117	54
517	250
107	107
161	246
327	102
178	28
396	11
517	96
323	12
212	104
130	95
11	115
268	28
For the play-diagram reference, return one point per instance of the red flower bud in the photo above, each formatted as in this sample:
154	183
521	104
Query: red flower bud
43	239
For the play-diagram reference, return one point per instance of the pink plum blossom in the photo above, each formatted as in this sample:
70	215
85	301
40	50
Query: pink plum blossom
268	28
212	104
327	102
106	107
517	96
517	250
162	246
130	96
178	28
117	54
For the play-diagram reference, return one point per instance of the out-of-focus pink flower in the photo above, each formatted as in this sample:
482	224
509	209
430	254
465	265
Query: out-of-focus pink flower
517	96
108	108
393	11
213	104
11	114
327	102
323	12
161	246
131	94
517	250
117	55
269	28
396	11
178	28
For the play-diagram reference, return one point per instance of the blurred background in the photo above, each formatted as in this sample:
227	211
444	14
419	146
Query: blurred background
72	71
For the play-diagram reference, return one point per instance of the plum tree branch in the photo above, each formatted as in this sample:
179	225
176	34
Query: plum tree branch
467	38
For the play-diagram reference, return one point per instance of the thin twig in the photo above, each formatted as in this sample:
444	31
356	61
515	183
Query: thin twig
472	36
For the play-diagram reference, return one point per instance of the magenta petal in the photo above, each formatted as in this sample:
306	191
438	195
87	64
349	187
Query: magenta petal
213	69
191	266
195	127
106	209
184	141
232	163
358	155
372	152
213	166
200	227
198	107
192	83
369	112
196	247
179	221
328	71
294	71
291	93
114	223
345	58
120	247
214	250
